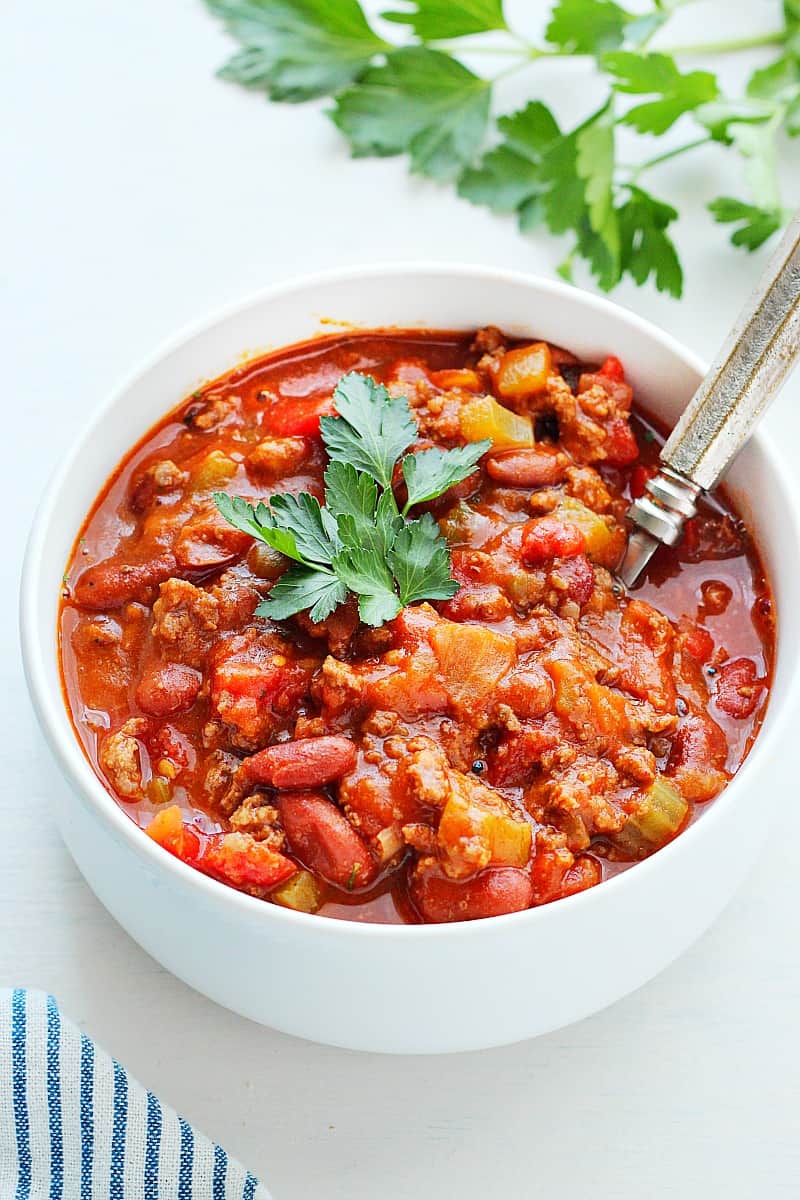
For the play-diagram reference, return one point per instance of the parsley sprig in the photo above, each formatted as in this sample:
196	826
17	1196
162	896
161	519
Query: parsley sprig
359	541
422	99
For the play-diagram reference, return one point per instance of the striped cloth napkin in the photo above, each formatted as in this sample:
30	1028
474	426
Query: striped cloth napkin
75	1126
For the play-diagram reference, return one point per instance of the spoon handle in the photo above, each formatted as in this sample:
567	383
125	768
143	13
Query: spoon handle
755	358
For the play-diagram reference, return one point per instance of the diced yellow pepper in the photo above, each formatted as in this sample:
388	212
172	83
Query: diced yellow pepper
604	540
213	472
458	378
587	705
483	418
524	371
301	892
472	659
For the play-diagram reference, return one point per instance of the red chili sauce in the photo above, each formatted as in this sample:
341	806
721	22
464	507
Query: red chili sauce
515	744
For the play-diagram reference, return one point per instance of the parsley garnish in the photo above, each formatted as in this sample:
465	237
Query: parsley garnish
359	541
423	97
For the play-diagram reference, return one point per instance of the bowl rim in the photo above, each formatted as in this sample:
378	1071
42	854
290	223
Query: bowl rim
56	723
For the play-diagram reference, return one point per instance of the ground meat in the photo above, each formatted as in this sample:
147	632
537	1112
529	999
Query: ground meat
488	340
438	414
257	683
156	480
276	457
120	758
260	819
223	787
237	595
585	484
185	619
212	412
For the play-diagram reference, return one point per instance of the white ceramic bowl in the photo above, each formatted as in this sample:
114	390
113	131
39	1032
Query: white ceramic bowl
408	989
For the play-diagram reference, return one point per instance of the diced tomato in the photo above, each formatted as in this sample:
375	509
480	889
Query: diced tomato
547	537
304	763
621	447
696	640
637	485
238	859
691	536
297	417
324	840
493	892
612	368
515	759
739	688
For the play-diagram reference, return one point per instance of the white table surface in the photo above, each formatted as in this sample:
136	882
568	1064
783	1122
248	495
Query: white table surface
138	194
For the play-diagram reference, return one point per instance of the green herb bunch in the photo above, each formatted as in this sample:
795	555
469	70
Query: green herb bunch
360	541
420	99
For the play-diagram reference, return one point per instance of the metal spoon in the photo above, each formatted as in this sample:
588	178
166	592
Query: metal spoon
755	359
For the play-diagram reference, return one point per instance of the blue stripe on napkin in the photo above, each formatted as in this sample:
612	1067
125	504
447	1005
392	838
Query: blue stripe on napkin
71	1117
54	1100
20	1078
87	1115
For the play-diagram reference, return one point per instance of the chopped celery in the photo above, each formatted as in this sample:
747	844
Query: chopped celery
158	790
301	892
661	812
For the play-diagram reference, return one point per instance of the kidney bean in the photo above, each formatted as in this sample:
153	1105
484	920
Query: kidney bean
526	467
492	893
207	541
320	835
578	574
305	763
168	688
112	583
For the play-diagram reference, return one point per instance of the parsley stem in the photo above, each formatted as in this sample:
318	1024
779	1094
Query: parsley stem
731	46
522	50
637	170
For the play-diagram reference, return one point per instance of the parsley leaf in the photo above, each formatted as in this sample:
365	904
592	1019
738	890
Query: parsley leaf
435	20
303	587
587	26
657	74
371	429
297	49
756	224
365	573
420	562
351	496
420	101
313	528
513	175
594	165
646	248
432	472
258	522
358	541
